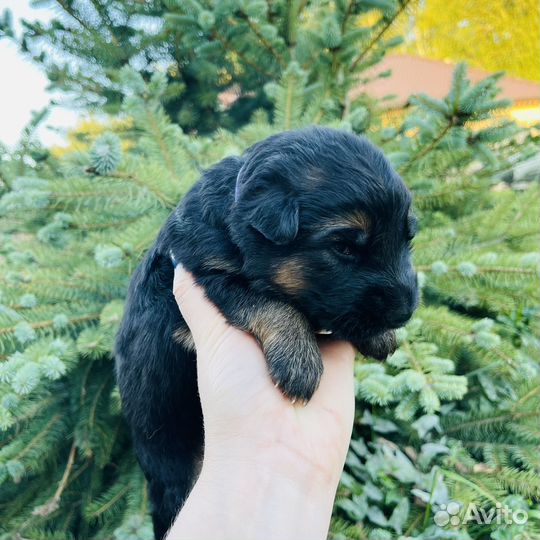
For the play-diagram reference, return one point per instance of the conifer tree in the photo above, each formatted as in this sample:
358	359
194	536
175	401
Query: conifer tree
205	48
451	416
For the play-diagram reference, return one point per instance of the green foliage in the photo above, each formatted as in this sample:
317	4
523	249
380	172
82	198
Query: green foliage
105	154
418	378
451	416
203	48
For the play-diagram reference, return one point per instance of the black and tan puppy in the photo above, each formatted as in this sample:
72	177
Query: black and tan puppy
307	231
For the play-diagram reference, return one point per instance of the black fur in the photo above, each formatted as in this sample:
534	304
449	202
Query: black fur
308	230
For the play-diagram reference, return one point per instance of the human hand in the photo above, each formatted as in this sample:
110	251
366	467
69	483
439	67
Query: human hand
256	440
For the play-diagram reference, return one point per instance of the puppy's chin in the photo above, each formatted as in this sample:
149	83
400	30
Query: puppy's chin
380	346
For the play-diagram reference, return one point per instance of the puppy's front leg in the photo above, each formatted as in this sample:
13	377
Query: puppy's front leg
288	341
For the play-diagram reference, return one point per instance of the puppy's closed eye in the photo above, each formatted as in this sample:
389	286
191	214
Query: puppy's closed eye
349	243
343	249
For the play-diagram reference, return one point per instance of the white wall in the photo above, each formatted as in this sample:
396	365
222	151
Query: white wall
22	86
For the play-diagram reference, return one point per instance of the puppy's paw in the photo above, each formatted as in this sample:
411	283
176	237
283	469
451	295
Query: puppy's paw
289	344
379	347
296	368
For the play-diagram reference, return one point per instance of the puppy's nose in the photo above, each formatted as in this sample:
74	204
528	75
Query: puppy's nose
396	319
405	302
397	302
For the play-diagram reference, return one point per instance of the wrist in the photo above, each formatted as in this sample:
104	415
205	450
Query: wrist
262	496
283	461
286	447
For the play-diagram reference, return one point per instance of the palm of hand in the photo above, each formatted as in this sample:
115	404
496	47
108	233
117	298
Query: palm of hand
245	414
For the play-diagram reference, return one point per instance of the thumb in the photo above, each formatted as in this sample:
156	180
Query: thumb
203	318
336	390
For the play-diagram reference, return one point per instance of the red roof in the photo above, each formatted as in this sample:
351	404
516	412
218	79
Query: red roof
413	75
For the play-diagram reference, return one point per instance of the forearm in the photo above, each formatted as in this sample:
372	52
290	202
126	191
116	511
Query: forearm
252	501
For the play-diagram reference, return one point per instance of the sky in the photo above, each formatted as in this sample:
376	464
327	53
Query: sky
23	86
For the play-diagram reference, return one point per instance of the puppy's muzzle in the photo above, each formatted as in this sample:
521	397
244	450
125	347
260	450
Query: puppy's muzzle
395	304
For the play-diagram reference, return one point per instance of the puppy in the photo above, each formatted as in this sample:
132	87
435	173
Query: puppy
308	231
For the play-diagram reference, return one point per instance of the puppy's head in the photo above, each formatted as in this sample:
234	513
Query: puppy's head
325	223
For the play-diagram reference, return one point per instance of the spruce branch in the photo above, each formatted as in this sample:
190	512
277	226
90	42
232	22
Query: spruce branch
294	9
491	420
106	224
45	324
533	392
33	410
215	34
54	503
98	6
167	202
73	14
487	270
253	27
36	440
101	509
473	485
379	34
59	196
426	149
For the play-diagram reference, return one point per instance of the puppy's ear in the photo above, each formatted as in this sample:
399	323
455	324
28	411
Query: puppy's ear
264	195
273	213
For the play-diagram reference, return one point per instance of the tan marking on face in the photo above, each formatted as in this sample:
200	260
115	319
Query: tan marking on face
289	276
183	337
354	220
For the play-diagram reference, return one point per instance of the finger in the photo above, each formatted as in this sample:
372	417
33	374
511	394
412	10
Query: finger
336	390
203	318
